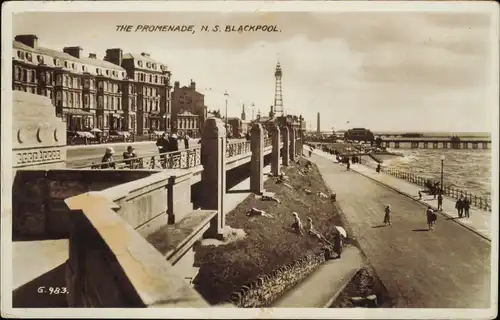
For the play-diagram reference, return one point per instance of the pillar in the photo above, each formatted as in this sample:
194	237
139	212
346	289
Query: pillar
257	159
286	145
213	177
275	155
292	144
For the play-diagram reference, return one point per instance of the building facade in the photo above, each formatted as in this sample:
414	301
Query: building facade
122	92
187	123
187	99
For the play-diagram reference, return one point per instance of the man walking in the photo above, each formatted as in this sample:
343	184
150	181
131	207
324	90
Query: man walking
440	202
466	206
459	207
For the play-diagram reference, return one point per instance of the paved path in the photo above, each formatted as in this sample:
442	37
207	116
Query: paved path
480	221
320	288
445	268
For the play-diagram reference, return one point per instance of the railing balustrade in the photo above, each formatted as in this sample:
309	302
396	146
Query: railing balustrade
182	159
453	192
267	142
236	148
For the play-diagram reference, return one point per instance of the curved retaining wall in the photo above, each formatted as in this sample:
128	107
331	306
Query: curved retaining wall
269	287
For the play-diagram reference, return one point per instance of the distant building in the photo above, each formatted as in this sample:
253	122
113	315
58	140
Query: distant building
187	123
188	99
359	134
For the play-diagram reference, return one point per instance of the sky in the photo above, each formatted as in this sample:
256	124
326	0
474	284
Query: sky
387	71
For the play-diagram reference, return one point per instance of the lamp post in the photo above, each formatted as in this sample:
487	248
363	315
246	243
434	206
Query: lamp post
226	95
253	111
442	173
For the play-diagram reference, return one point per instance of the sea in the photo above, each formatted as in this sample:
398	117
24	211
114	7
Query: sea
466	169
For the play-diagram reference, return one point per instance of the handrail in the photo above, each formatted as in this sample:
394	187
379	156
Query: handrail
235	148
448	190
182	159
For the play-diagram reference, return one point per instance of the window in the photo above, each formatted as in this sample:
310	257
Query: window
59	80
100	102
49	77
28	75
105	86
84	68
139	63
86	83
73	66
107	72
39	58
66	80
17	73
20	54
150	78
65	64
85	101
42	77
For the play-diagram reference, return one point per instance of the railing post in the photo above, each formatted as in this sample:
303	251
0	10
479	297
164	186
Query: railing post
286	145
213	177
257	159
292	144
275	156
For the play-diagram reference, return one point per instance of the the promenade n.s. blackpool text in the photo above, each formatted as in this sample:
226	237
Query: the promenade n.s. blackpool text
192	28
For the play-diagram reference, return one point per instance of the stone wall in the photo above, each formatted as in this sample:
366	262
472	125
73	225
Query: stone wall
111	265
269	287
38	197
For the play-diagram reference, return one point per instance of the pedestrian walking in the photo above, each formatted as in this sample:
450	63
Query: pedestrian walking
440	202
387	216
459	206
419	195
338	244
466	206
431	218
186	141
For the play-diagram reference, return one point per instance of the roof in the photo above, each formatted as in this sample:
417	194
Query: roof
147	59
187	113
48	56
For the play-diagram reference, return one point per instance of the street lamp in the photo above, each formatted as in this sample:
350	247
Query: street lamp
253	111
442	173
226	95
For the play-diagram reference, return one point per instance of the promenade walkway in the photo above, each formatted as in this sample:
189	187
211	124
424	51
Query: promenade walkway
445	268
480	221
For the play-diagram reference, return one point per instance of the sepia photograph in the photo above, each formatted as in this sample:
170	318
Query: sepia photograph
234	159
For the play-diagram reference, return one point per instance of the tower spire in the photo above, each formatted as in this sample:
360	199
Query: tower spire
243	115
278	93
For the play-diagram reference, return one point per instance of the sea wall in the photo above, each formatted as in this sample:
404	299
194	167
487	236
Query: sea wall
269	287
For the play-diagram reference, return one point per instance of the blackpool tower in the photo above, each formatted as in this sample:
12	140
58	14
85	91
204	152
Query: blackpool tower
278	93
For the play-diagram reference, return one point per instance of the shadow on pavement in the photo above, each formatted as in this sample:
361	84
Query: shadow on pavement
420	230
379	226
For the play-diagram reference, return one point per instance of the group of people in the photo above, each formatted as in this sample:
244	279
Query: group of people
463	207
129	156
170	143
298	228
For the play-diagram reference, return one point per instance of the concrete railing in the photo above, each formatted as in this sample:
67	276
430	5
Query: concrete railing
182	159
111	265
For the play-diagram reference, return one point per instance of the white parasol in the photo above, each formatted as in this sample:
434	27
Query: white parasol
341	231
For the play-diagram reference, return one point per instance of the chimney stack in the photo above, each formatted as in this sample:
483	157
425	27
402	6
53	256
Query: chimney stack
192	85
145	54
73	51
92	56
114	56
177	85
30	40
